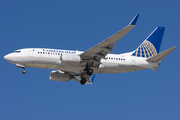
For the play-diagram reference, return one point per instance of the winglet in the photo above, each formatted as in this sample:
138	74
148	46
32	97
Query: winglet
133	22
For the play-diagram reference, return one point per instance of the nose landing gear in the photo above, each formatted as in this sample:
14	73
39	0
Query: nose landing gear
24	71
21	66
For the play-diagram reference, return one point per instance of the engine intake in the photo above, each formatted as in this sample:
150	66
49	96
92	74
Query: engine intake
60	76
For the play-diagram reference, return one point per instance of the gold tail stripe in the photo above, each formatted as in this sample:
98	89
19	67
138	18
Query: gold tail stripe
150	51
141	52
137	51
147	51
144	52
154	51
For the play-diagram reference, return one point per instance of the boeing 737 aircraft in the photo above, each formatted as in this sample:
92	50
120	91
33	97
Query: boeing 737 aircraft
82	66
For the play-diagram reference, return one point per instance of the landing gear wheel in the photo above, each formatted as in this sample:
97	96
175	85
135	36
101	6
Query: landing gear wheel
89	71
24	71
83	81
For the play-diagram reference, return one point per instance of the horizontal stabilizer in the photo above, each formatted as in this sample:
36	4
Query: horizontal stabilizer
160	56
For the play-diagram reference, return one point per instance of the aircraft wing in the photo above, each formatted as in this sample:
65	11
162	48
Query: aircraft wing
99	51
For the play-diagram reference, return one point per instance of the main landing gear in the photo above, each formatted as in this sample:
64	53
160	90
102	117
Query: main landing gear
83	81
88	70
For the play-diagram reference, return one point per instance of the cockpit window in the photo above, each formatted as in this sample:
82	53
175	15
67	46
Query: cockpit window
16	51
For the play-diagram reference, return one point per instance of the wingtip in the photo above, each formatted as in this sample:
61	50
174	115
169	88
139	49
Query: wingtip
134	20
174	47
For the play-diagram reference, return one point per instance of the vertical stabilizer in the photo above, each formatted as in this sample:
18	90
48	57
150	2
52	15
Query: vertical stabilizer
151	44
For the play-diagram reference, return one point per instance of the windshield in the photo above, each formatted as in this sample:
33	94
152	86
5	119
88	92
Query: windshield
16	51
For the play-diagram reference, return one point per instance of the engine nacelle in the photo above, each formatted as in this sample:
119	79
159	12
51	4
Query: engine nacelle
68	59
60	76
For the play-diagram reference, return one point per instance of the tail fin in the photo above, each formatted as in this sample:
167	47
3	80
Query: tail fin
151	44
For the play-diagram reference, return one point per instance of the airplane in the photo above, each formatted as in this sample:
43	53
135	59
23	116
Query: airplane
83	65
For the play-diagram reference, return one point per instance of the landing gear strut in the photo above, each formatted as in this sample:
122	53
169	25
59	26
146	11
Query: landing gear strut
88	69
83	81
21	66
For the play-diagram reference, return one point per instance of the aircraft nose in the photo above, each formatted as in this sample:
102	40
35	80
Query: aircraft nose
5	57
8	57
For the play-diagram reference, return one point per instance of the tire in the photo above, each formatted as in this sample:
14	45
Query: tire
90	71
24	71
83	81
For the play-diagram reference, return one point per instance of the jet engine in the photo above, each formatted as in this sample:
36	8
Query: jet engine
68	59
60	76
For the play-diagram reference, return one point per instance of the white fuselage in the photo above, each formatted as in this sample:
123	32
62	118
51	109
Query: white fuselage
50	59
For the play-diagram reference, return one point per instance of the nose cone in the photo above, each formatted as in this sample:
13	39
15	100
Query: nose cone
8	57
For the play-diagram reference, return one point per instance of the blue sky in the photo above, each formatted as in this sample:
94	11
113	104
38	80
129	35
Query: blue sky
79	25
